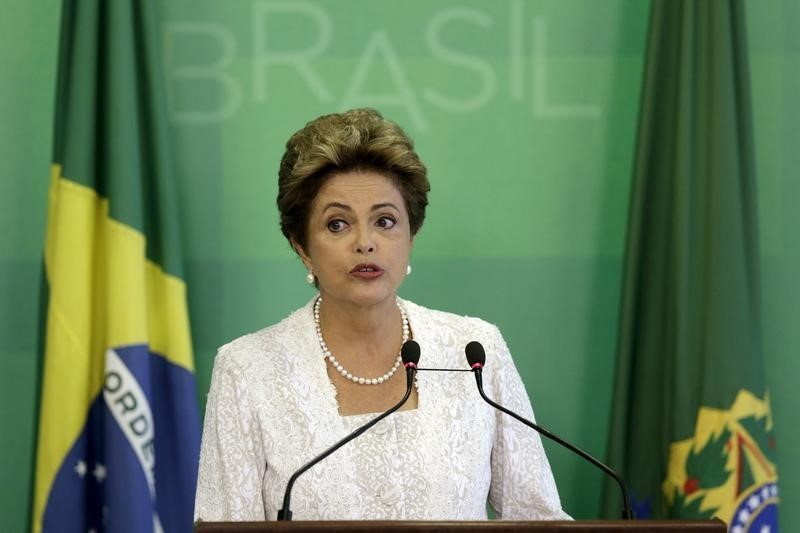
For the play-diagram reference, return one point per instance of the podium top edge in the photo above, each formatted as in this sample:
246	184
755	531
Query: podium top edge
486	526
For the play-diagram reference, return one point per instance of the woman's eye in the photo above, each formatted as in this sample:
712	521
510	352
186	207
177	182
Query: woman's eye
386	222
337	225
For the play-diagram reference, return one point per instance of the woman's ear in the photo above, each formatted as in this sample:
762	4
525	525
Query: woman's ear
302	253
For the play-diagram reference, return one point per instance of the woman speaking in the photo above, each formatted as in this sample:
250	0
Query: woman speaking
352	197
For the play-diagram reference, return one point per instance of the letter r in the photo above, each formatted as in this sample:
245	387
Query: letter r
298	59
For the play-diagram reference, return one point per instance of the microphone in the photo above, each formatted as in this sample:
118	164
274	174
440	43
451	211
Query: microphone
410	355
476	358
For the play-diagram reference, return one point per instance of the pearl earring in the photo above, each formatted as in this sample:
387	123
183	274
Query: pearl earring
408	270
310	278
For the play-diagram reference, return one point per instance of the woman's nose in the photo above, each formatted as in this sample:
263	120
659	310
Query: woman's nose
364	242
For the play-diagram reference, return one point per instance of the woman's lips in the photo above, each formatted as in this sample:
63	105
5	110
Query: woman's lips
366	271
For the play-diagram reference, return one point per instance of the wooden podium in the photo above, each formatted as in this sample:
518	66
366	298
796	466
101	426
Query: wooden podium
487	526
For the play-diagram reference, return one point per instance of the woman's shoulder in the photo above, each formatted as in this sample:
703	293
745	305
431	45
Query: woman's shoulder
275	341
445	317
449	323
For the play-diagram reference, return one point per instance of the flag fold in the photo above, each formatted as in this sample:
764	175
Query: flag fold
692	430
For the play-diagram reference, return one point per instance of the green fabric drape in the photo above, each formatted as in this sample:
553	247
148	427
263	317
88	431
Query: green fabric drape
691	429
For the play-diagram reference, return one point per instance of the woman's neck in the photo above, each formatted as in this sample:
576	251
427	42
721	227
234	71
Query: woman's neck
361	328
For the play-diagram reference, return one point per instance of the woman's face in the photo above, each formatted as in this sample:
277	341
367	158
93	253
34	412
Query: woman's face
359	238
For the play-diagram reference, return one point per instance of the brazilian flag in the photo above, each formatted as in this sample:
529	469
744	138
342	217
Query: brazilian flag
692	430
119	429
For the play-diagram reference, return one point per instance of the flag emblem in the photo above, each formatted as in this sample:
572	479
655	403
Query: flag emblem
727	468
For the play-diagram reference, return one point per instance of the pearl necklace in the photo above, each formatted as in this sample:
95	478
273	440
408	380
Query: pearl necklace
342	370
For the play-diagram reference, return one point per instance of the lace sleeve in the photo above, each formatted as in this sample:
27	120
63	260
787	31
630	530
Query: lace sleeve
231	455
522	486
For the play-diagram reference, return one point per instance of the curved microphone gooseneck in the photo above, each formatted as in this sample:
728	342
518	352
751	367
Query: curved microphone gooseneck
476	358
410	355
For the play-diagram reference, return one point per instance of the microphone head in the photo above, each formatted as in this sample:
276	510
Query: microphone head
476	356
410	353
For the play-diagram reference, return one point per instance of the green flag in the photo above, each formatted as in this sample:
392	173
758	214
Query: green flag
691	430
119	429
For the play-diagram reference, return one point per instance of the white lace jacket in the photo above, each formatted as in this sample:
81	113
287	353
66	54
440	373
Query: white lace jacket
272	407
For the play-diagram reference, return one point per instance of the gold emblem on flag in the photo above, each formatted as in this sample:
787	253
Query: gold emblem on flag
727	468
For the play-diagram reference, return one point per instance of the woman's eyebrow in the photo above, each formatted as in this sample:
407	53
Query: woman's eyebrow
337	204
384	204
346	207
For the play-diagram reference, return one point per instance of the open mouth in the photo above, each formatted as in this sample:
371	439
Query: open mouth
366	270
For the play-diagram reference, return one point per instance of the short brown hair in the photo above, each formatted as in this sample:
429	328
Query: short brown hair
359	139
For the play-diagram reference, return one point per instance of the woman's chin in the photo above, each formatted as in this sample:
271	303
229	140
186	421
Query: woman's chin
367	294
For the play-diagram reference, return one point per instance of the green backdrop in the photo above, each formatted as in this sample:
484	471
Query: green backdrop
524	112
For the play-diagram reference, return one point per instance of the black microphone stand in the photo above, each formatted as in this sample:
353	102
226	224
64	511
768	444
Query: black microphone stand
476	358
285	513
